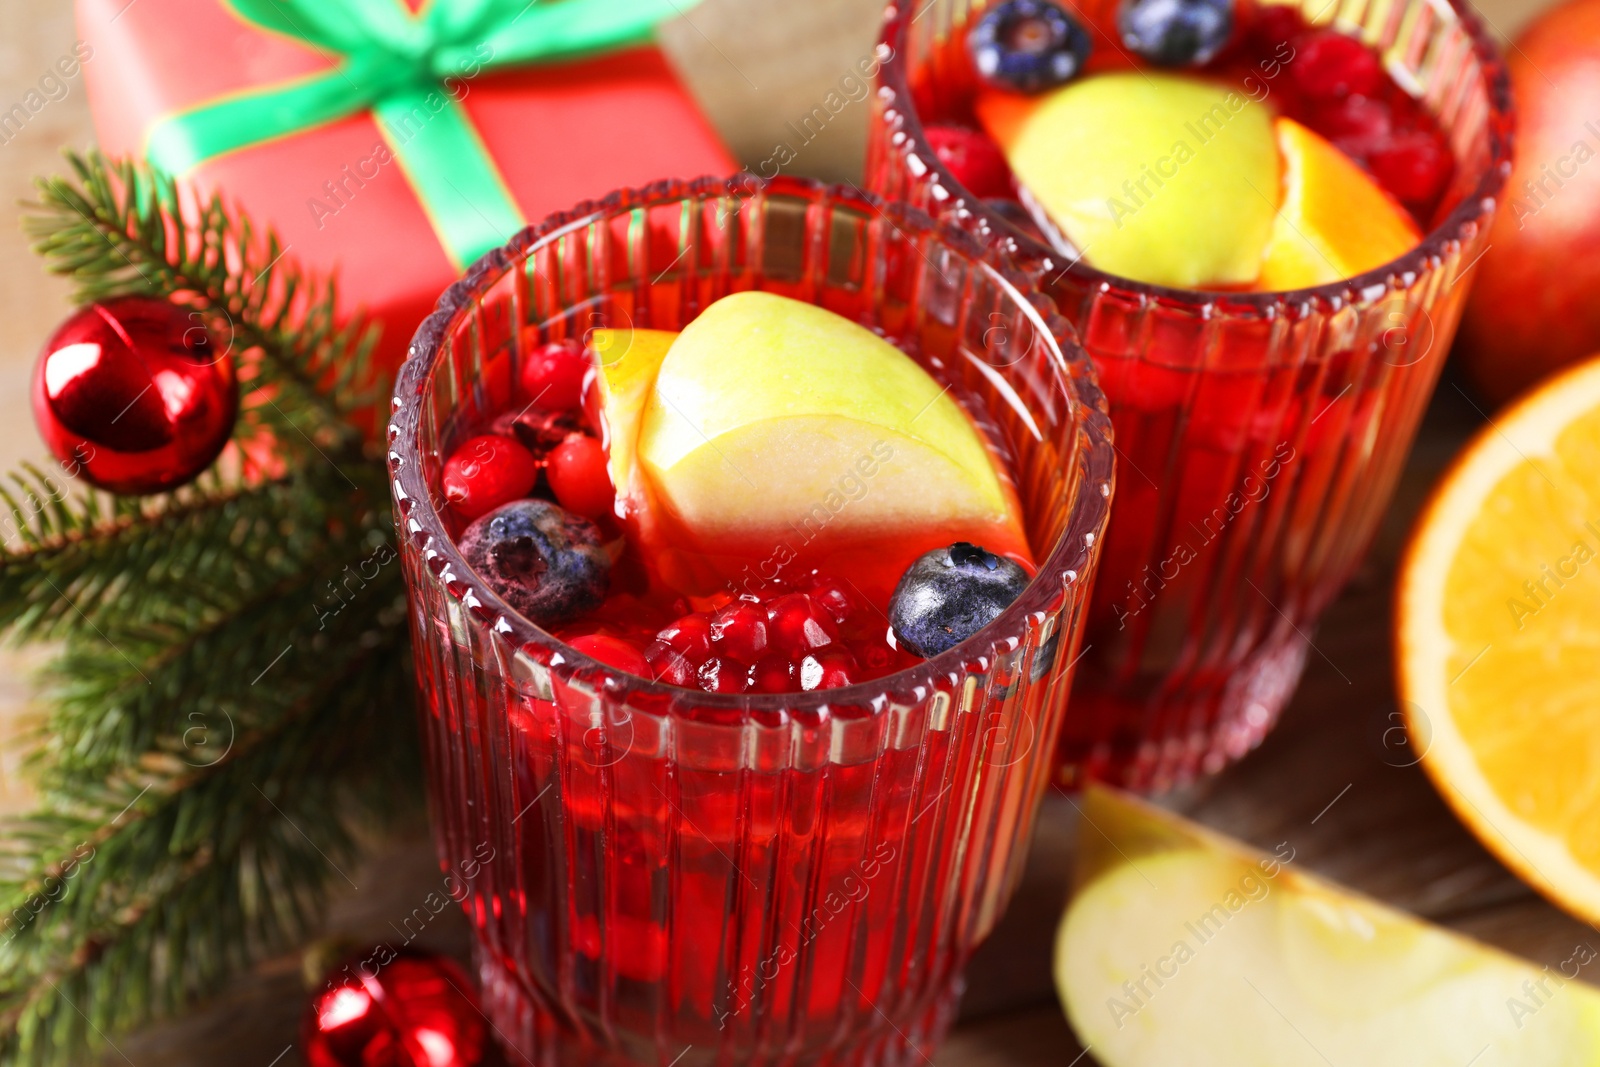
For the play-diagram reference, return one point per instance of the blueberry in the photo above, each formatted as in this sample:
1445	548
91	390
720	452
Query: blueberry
1176	33
950	594
546	563
1027	46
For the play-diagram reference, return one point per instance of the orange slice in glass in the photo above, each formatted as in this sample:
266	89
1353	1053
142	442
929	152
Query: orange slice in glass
1335	221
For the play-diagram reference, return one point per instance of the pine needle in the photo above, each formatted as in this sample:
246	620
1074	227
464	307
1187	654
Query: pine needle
230	696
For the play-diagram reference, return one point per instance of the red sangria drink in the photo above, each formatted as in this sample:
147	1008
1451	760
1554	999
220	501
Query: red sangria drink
748	528
1260	218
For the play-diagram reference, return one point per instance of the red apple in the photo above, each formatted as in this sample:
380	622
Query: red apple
1533	307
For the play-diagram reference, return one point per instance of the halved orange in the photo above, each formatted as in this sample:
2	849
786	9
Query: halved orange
1498	638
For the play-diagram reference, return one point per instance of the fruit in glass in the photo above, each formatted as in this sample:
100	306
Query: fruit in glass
669	870
1274	321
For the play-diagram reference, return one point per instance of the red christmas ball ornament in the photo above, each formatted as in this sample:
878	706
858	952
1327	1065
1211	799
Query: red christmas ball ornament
394	1008
133	396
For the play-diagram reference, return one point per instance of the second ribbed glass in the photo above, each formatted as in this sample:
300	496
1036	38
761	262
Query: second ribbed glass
664	876
1259	436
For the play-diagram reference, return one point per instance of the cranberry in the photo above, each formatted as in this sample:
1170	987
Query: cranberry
973	160
690	636
579	478
740	630
1414	166
718	675
828	668
613	652
1328	65
553	375
485	472
772	674
796	624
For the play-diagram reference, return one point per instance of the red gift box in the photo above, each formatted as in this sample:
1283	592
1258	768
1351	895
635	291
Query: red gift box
475	136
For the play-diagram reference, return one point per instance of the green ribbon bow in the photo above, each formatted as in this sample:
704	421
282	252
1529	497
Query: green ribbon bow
396	64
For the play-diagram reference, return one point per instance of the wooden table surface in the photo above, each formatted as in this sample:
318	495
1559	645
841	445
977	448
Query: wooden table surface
1354	809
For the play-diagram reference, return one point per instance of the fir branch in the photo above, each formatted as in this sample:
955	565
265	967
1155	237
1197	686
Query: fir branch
156	867
249	851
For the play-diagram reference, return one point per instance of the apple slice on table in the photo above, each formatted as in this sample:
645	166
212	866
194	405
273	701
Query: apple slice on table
775	434
1162	178
1184	947
1335	223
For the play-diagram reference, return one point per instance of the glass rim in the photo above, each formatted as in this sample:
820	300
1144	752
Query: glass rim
1068	563
1474	209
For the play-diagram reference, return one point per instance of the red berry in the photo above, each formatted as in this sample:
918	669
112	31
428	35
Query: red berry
873	656
1356	124
614	652
829	668
690	635
833	597
579	478
718	675
670	666
772	674
776	643
1328	65
1273	25
1414	166
973	160
553	374
740	630
796	624
485	472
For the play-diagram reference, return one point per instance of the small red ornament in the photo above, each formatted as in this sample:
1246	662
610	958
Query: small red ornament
133	396
394	1008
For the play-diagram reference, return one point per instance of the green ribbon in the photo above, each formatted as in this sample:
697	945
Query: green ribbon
396	64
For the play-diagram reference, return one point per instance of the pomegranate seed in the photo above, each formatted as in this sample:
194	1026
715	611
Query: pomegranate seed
973	160
553	375
795	624
834	599
740	630
690	635
1414	166
614	652
579	478
780	642
828	668
874	657
1329	65
671	666
718	675
772	674
488	471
